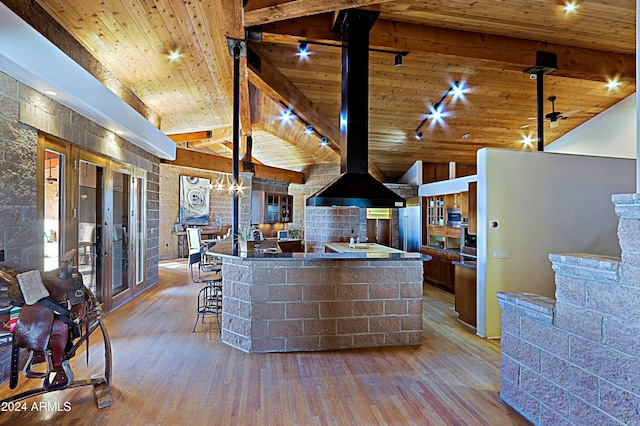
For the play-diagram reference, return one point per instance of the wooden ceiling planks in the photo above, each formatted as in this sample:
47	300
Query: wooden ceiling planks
483	42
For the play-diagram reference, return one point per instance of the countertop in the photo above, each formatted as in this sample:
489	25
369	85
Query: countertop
452	251
360	248
466	263
224	249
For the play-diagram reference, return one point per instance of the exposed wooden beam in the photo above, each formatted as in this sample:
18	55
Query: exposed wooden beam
233	19
218	135
268	79
199	160
257	12
191	136
277	86
476	48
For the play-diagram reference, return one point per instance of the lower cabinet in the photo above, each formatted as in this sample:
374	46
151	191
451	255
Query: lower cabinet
439	270
465	304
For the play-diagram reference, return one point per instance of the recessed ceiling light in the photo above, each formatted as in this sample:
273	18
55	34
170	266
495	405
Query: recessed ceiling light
50	93
570	7
174	56
527	141
613	84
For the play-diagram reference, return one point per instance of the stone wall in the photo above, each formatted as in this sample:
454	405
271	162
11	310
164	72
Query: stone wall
327	224
575	360
220	203
307	305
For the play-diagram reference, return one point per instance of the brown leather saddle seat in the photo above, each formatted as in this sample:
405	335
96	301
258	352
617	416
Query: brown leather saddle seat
47	327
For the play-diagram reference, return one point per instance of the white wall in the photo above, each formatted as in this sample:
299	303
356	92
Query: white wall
609	134
545	203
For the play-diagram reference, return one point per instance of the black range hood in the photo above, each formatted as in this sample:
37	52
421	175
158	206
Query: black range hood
355	186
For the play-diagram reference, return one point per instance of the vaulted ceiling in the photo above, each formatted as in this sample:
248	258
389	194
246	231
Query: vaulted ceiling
486	44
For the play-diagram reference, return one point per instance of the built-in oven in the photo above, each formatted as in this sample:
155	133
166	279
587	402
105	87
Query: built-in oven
454	217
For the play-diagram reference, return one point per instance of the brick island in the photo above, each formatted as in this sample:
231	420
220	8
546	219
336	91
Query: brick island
285	302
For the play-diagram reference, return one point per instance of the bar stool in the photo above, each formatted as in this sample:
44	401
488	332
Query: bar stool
209	296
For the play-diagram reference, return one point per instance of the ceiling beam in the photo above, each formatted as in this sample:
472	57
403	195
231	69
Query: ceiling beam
485	50
233	22
215	163
258	12
267	78
270	81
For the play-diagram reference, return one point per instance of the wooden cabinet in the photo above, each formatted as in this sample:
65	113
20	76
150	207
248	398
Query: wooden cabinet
473	208
439	270
465	170
434	172
465	301
271	208
437	231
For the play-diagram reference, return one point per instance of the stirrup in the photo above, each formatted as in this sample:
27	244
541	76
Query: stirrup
30	374
62	377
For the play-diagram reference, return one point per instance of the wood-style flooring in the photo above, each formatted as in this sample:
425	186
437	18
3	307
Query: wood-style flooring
163	374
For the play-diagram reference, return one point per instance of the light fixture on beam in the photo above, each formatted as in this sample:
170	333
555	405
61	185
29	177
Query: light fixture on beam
436	112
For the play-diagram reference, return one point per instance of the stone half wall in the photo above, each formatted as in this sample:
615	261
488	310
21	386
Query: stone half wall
576	360
298	305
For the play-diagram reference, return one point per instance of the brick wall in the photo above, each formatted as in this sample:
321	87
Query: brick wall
575	360
304	305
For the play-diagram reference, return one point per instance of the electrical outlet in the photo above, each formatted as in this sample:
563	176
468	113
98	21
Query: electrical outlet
1	255
501	254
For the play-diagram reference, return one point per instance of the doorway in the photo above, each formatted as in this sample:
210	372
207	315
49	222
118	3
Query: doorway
96	206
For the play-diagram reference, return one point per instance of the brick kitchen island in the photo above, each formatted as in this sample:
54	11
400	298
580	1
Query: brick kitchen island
285	302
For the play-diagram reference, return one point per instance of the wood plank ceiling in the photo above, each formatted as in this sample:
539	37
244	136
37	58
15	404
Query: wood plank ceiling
486	44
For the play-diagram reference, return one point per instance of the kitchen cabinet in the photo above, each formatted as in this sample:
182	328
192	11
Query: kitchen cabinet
434	172
473	208
465	170
439	270
437	231
465	300
271	208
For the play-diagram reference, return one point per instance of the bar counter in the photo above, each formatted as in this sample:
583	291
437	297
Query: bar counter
285	302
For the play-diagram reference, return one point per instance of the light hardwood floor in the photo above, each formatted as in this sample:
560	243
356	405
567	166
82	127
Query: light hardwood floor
166	375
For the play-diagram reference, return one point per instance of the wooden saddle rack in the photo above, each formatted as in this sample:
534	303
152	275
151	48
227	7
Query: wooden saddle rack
51	315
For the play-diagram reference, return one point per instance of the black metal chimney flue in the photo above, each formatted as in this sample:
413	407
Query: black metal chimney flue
355	186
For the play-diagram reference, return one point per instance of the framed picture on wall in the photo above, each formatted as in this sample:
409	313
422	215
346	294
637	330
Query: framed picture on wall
194	200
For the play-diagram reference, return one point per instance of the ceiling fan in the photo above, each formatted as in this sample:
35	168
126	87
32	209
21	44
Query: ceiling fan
554	115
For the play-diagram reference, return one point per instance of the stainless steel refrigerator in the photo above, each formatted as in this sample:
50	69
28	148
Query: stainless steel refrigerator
410	228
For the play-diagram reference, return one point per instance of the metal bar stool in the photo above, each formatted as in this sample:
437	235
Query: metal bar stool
209	296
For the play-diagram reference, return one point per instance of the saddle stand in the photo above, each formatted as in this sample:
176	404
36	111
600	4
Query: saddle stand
57	316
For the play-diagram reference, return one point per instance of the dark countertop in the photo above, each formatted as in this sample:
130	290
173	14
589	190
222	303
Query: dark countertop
224	249
452	251
471	264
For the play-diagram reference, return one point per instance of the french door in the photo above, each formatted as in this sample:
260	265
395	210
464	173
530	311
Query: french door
96	206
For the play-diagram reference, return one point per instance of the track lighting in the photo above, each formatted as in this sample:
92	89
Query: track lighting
436	112
324	141
309	129
303	49
398	60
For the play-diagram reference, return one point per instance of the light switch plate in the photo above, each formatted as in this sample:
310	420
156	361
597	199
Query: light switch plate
501	254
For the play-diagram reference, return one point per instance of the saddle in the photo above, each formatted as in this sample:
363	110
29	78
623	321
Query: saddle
51	307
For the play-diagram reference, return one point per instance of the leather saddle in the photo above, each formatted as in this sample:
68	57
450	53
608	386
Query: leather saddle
48	322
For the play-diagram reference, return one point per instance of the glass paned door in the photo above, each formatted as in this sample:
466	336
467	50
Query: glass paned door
90	230
141	226
120	232
53	208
